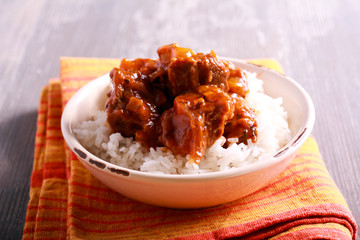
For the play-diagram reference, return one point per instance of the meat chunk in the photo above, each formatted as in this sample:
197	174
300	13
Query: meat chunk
132	108
212	71
195	121
182	128
243	125
182	76
185	75
172	51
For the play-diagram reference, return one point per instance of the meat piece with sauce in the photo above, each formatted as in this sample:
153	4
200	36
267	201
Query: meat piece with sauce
133	105
196	121
186	70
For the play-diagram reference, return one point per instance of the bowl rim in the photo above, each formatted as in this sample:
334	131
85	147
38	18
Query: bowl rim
286	151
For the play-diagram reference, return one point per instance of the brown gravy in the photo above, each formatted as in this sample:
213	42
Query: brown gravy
182	101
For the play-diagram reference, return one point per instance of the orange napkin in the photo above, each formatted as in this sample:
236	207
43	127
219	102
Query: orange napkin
67	202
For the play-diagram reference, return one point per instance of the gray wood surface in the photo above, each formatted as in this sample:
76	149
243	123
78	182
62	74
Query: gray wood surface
317	42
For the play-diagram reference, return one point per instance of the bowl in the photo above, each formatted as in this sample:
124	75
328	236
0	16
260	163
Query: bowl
194	190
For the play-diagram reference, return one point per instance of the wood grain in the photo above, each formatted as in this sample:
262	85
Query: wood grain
315	41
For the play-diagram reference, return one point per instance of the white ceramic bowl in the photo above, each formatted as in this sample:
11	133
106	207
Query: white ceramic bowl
199	190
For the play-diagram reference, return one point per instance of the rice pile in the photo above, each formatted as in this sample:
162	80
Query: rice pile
273	133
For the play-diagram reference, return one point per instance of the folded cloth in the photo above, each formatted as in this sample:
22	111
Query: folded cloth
67	202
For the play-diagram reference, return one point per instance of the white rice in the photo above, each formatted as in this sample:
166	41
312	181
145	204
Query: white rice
273	133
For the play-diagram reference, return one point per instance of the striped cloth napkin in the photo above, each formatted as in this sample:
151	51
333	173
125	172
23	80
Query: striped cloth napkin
66	202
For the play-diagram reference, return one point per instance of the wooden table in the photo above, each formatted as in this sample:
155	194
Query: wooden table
317	42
